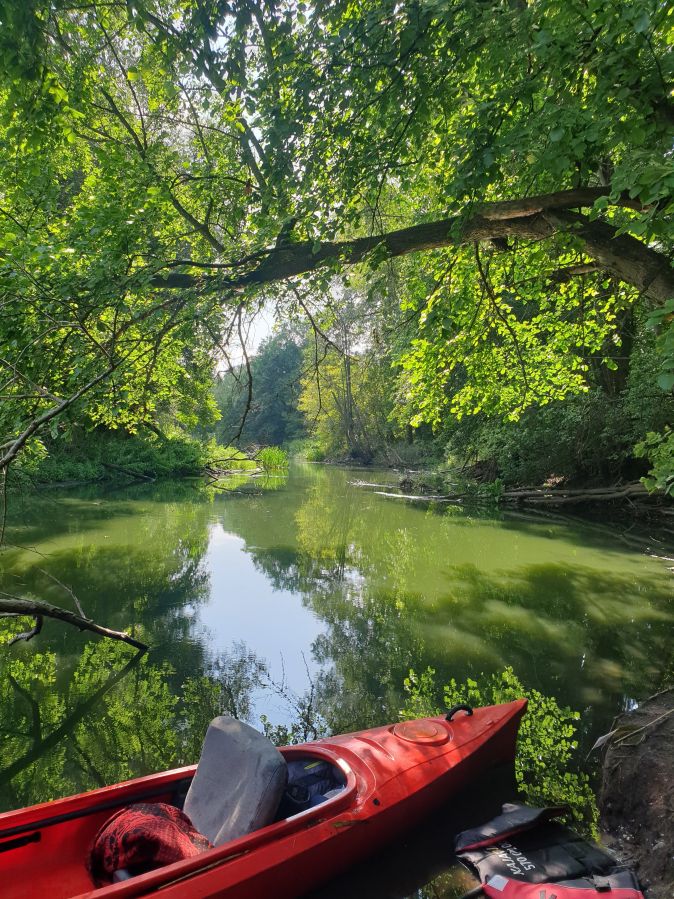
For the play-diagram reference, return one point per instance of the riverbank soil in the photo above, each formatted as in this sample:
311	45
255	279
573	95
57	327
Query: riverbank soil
637	794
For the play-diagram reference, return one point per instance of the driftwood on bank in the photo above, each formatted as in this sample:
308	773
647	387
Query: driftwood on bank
559	496
37	609
136	475
424	497
634	495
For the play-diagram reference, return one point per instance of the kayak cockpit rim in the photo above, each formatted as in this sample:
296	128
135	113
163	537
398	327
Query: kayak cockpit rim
156	785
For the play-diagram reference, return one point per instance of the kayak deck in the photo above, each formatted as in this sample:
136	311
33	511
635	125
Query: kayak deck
392	777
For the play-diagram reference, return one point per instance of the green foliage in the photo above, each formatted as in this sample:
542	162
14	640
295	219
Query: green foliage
104	455
661	322
135	184
228	458
485	346
588	437
314	452
544	765
304	448
272	457
658	448
347	382
273	416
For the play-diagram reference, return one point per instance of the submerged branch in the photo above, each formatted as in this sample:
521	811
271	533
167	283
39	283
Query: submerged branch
37	609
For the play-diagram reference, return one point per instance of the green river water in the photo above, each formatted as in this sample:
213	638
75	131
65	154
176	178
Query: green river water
303	586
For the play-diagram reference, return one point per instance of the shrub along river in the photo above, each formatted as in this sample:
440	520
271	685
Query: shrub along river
305	599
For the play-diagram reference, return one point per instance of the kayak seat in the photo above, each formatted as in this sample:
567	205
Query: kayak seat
311	782
238	784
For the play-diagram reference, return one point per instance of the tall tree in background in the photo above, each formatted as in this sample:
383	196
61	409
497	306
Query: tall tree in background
261	401
348	381
164	162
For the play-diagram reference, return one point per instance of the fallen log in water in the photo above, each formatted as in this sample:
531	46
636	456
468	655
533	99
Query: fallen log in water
425	497
634	494
129	472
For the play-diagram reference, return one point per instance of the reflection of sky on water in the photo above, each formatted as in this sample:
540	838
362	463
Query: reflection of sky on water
244	606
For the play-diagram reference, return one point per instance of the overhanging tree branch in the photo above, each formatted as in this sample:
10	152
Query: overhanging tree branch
532	218
13	447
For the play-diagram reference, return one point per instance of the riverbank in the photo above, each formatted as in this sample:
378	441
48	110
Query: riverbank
118	458
453	486
637	795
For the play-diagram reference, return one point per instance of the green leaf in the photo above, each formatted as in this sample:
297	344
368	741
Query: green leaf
643	23
666	380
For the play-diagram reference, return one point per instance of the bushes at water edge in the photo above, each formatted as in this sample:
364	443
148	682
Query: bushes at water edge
106	455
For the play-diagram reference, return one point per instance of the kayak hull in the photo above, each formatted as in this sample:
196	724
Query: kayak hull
395	776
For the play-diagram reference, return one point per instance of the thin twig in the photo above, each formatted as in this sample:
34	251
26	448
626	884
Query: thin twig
66	588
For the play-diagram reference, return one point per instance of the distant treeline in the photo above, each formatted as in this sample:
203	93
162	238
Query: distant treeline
340	391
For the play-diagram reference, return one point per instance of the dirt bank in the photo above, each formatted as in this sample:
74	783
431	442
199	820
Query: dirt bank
637	794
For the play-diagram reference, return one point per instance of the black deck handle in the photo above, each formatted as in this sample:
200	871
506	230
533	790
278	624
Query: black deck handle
461	707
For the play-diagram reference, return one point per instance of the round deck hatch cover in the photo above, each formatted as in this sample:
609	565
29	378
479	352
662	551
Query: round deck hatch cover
430	732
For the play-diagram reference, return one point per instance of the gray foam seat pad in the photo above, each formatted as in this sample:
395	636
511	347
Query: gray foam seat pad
238	783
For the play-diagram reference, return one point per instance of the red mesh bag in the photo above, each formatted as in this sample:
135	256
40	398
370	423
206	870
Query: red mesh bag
142	837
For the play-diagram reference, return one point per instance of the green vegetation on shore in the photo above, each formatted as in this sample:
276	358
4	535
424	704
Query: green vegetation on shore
595	436
104	455
158	722
546	769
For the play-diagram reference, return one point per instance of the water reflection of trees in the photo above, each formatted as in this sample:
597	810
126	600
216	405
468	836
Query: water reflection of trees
395	587
132	564
117	716
390	585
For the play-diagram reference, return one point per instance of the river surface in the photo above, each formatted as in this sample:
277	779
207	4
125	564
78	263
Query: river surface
298	598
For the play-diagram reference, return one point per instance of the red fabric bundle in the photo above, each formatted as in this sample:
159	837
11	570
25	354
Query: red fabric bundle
142	837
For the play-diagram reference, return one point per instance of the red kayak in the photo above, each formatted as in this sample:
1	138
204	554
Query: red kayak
379	783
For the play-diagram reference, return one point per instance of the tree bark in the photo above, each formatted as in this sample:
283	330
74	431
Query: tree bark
560	497
530	218
37	609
